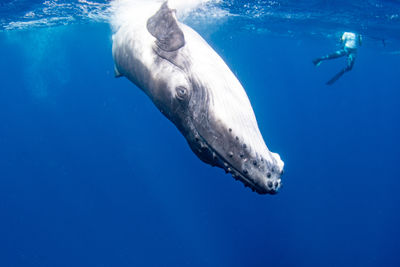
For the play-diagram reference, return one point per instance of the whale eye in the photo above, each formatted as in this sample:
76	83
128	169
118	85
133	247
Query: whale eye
181	92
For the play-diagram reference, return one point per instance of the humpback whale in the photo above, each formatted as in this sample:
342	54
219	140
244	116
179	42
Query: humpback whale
194	88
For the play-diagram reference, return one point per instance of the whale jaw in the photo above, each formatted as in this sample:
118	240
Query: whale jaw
258	175
219	146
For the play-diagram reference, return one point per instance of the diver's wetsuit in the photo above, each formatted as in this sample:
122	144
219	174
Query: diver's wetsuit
351	42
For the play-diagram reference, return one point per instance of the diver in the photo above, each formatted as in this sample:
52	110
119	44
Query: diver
351	42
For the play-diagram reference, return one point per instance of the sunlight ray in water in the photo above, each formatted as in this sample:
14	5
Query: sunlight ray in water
45	41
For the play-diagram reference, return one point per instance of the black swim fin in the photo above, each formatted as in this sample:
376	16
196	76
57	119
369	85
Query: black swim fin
335	78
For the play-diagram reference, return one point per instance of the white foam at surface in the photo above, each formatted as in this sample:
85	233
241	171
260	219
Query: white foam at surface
126	11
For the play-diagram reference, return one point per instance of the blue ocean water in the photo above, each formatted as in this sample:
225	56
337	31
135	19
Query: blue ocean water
92	174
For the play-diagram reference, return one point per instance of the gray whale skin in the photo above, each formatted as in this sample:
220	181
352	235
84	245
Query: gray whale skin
194	88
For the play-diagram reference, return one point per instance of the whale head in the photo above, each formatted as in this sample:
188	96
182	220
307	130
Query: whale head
194	88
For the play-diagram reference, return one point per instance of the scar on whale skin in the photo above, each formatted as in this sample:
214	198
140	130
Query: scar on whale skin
194	88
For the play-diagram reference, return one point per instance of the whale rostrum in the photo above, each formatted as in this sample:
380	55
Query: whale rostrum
194	88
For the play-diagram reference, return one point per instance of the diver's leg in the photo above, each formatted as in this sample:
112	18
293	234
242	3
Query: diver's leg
351	58
339	53
350	63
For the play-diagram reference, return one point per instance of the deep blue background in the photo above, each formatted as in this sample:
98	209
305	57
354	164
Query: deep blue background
92	174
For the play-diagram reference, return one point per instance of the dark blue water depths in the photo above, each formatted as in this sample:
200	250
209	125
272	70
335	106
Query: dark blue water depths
91	173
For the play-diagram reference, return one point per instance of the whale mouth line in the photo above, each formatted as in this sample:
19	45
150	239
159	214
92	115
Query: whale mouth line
218	160
247	183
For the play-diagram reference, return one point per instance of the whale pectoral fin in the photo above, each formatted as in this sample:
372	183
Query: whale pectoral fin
164	27
117	74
